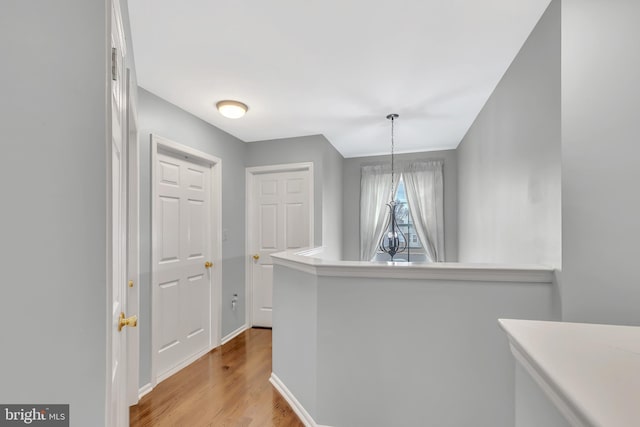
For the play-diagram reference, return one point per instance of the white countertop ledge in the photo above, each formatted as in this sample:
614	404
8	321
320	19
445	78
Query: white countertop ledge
590	372
313	262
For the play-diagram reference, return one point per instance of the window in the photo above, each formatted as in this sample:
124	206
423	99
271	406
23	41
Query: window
406	225
422	181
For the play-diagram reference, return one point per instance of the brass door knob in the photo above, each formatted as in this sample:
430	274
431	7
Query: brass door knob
130	283
208	264
132	321
256	257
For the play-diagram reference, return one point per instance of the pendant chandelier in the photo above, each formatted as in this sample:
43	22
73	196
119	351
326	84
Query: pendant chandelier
392	241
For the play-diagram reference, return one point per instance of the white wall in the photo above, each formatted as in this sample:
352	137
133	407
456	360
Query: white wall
509	160
600	166
53	306
351	203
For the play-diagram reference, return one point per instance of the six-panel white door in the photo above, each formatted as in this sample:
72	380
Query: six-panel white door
182	283
281	220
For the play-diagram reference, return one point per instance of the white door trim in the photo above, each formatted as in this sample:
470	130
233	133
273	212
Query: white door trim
160	143
133	237
115	39
250	173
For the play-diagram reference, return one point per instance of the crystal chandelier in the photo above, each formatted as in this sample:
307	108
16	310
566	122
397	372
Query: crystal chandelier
392	241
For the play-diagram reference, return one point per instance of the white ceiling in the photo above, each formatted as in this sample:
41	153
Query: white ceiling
332	67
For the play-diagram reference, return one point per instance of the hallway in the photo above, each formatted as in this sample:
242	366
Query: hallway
227	387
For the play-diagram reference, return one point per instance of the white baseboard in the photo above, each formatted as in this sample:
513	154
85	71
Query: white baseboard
144	390
297	407
234	334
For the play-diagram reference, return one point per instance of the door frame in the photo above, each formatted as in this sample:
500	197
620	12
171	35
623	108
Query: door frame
250	173
133	239
114	24
215	240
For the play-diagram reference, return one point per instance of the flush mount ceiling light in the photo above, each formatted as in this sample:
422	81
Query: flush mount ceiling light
232	109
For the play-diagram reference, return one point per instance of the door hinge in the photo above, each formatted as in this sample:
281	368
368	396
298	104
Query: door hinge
114	63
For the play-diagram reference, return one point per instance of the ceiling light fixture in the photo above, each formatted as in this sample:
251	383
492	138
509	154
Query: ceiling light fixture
393	240
232	109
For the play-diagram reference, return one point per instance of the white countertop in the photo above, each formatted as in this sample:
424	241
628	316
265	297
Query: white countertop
312	261
590	372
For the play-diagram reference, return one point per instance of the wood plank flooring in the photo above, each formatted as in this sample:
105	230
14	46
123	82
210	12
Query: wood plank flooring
227	387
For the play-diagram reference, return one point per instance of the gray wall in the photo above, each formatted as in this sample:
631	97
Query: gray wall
509	160
160	117
327	170
600	167
295	343
351	211
332	203
435	356
53	303
533	406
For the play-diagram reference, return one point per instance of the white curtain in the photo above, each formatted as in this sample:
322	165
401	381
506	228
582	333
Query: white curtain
375	193
423	184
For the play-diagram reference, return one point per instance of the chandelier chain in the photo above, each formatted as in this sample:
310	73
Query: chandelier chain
392	168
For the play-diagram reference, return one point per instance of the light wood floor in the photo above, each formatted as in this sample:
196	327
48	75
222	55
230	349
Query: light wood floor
227	387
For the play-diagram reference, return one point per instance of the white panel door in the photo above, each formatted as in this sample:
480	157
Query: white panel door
182	282
118	410
281	220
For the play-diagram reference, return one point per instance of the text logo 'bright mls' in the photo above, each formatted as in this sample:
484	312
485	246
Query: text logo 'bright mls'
27	416
36	415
